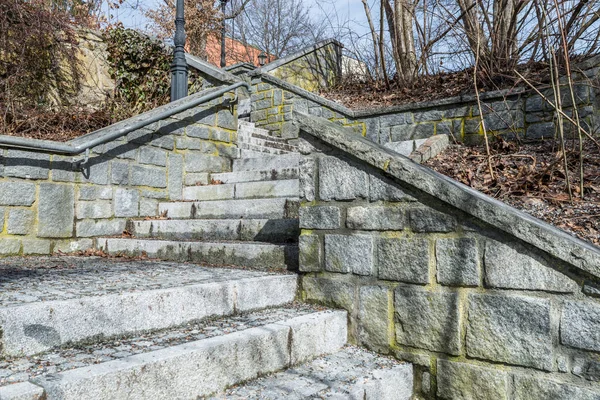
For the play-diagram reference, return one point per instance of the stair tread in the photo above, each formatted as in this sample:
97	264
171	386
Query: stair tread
47	302
257	176
22	369
34	279
352	372
280	207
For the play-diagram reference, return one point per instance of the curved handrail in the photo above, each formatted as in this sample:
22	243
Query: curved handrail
75	149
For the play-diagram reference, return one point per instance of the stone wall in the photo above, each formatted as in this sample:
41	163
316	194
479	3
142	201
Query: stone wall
487	302
48	204
509	113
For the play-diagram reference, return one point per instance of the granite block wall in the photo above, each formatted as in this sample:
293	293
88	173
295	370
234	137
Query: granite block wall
480	313
50	204
508	113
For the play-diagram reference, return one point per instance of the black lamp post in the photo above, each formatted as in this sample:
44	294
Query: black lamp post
179	69
262	59
223	62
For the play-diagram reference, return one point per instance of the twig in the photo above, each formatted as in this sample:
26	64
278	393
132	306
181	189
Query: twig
558	107
487	144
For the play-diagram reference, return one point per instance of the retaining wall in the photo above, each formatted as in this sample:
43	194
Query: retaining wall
487	302
48	204
509	112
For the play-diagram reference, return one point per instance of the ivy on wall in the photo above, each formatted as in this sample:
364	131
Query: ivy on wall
140	66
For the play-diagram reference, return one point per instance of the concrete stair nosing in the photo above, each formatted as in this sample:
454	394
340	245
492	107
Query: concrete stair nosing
243	190
256	176
275	208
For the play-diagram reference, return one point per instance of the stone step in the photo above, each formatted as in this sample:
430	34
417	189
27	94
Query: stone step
351	373
262	150
254	176
253	230
262	256
186	363
232	209
267	142
49	302
243	190
266	162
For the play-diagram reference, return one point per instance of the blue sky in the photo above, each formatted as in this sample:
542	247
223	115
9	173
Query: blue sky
348	13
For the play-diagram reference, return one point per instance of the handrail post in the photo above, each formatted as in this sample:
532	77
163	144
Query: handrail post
179	69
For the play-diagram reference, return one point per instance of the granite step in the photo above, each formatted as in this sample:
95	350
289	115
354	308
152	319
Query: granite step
243	190
188	362
276	208
253	230
263	256
266	162
47	302
254	176
352	373
267	150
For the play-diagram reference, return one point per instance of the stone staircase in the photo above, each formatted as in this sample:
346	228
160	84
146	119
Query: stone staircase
247	217
187	325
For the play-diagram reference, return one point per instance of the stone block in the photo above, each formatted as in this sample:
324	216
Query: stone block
457	112
502	120
580	325
198	162
320	217
307	171
104	227
544	130
226	120
413	131
430	220
95	193
17	193
96	171
378	218
457	262
148	176
403	260
152	156
56	210
466	381
175	176
148	207
72	246
396	119
121	149
427	320
510	329
36	247
196	179
507	268
120	173
20	221
198	131
10	247
22	391
429	115
381	189
93	209
2	212
310	253
532	388
338	180
330	292
373	318
349	254
27	164
127	203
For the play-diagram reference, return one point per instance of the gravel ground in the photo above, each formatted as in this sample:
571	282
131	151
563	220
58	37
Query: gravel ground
32	279
22	369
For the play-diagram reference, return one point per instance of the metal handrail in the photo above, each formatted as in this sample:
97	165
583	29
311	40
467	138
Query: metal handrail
75	149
